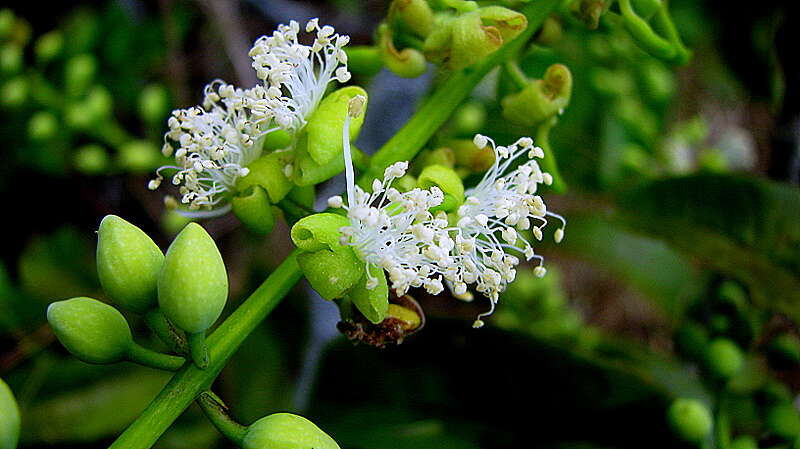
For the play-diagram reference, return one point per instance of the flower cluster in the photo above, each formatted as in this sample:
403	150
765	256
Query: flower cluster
213	143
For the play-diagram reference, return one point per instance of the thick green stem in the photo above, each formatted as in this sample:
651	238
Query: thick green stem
198	349
143	356
173	337
217	412
187	384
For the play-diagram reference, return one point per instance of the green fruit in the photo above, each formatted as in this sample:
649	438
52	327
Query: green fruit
9	418
193	284
690	419
723	358
128	264
286	431
783	420
91	330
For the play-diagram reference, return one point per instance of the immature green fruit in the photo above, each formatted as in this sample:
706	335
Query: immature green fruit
286	431
254	210
723	358
690	419
783	420
128	264
91	330
193	284
9	418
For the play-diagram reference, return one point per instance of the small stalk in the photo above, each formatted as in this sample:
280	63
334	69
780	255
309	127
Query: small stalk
515	74
147	357
548	163
198	349
217	412
173	337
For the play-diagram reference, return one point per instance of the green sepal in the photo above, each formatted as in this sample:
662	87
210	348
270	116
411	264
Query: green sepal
303	195
407	63
193	284
374	303
277	140
9	418
253	209
91	330
286	431
128	264
540	99
445	178
326	124
268	171
306	172
331	272
319	232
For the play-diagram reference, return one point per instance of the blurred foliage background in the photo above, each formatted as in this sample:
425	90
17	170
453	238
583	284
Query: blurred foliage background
679	276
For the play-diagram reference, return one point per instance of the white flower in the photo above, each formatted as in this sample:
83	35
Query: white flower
488	244
295	75
395	230
213	144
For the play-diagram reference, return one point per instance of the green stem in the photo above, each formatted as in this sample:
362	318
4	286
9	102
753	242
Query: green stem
549	163
143	356
217	412
184	387
198	349
515	74
173	337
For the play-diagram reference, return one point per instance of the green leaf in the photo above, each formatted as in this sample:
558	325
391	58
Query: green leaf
744	227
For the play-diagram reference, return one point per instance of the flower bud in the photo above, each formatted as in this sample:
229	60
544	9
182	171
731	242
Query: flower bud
440	156
253	209
91	159
154	103
128	264
98	104
48	46
10	59
79	72
723	358
589	11
91	330
444	178
286	431
783	420
470	37
42	126
540	99
193	284
326	124
364	60
330	267
469	156
407	63
690	419
469	119
9	418
414	15
372	303
14	92
268	172
138	156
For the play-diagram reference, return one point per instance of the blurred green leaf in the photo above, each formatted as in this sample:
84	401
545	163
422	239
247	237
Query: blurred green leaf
744	227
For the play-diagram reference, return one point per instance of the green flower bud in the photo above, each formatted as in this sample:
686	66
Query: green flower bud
91	330
14	92
407	63
128	264
690	419
138	156
92	159
326	124
474	159
9	416
468	38
173	221
744	442
153	103
364	60
268	172
414	15
784	351
372	303
6	22
48	46
193	284
42	126
783	420
440	156
253	209
406	183
444	178
469	119
99	104
286	431
589	11
330	267
551	32
10	59
723	358
79	72
540	99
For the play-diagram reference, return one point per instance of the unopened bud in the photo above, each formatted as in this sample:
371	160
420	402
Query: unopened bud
91	330
286	431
